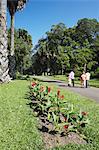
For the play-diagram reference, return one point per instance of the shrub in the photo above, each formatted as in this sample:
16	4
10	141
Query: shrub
58	111
18	75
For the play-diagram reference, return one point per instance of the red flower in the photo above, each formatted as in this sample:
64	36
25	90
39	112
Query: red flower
66	126
65	119
62	97
58	93
33	84
84	113
49	89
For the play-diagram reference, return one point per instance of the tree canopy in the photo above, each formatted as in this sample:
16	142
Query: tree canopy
23	49
60	51
69	48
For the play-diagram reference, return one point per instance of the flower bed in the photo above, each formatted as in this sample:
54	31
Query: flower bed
57	116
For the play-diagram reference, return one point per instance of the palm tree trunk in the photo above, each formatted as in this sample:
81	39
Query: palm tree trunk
13	6
12	55
4	76
12	34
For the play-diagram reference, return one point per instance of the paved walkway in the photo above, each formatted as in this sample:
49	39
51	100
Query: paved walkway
91	92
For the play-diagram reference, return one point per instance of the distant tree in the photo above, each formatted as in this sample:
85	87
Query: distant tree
23	50
36	64
70	48
86	29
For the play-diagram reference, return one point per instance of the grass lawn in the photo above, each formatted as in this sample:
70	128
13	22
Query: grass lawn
18	127
93	82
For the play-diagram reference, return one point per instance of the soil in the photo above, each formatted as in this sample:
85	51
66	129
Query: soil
52	139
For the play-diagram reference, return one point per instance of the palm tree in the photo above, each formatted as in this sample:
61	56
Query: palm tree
4	76
13	6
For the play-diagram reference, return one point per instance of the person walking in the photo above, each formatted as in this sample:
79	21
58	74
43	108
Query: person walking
69	80
87	78
83	79
71	76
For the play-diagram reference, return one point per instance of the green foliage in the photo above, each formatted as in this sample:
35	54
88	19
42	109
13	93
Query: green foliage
23	47
66	48
86	29
18	75
40	98
58	111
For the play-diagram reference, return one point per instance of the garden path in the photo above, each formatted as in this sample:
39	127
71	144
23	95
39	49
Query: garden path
90	92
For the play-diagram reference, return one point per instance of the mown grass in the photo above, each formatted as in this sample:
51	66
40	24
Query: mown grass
92	82
18	127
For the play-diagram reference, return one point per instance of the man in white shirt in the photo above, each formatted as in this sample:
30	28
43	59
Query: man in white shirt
71	75
87	78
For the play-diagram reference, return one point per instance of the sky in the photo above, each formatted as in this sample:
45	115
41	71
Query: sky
39	15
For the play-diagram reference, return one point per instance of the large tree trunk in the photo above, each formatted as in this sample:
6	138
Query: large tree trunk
12	55
12	34
4	76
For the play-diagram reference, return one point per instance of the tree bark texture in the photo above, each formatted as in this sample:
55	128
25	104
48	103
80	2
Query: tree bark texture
4	76
12	54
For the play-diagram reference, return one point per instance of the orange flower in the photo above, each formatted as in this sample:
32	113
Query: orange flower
62	97
58	93
84	113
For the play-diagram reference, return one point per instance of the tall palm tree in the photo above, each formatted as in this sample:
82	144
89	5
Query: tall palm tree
4	76
13	6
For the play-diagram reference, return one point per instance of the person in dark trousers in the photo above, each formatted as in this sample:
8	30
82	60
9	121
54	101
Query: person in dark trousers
71	75
87	79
